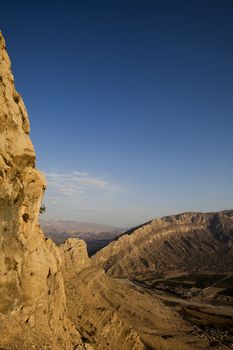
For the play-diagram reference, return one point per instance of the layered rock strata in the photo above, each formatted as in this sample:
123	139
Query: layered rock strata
183	242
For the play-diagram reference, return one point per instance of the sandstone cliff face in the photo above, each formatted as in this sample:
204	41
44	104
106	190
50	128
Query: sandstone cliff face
32	298
184	242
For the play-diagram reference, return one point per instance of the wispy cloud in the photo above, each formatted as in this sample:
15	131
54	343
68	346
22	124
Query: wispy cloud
76	184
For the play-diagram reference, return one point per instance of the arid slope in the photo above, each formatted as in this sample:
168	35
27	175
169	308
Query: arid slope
115	314
184	242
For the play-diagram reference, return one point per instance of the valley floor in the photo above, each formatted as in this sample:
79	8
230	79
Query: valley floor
204	300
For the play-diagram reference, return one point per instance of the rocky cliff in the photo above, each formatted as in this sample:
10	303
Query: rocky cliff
32	299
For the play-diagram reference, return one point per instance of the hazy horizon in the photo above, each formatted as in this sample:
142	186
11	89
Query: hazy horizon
46	218
130	105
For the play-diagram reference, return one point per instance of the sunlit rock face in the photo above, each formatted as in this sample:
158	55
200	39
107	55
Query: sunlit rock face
32	299
74	256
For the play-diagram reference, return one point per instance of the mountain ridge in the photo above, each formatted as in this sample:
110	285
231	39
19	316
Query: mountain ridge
76	227
182	232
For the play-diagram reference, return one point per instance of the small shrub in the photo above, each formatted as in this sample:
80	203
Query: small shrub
42	209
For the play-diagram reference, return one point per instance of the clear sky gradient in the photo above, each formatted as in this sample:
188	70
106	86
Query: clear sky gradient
130	104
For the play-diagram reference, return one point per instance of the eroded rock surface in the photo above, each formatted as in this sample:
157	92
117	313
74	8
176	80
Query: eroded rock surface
184	242
32	299
74	256
113	314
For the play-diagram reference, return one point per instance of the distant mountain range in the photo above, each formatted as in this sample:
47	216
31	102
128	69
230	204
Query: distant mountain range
94	234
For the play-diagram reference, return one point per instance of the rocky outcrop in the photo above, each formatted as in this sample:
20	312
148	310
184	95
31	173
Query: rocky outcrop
32	299
91	296
74	256
184	242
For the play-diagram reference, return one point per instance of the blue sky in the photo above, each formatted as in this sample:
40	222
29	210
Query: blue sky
130	104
